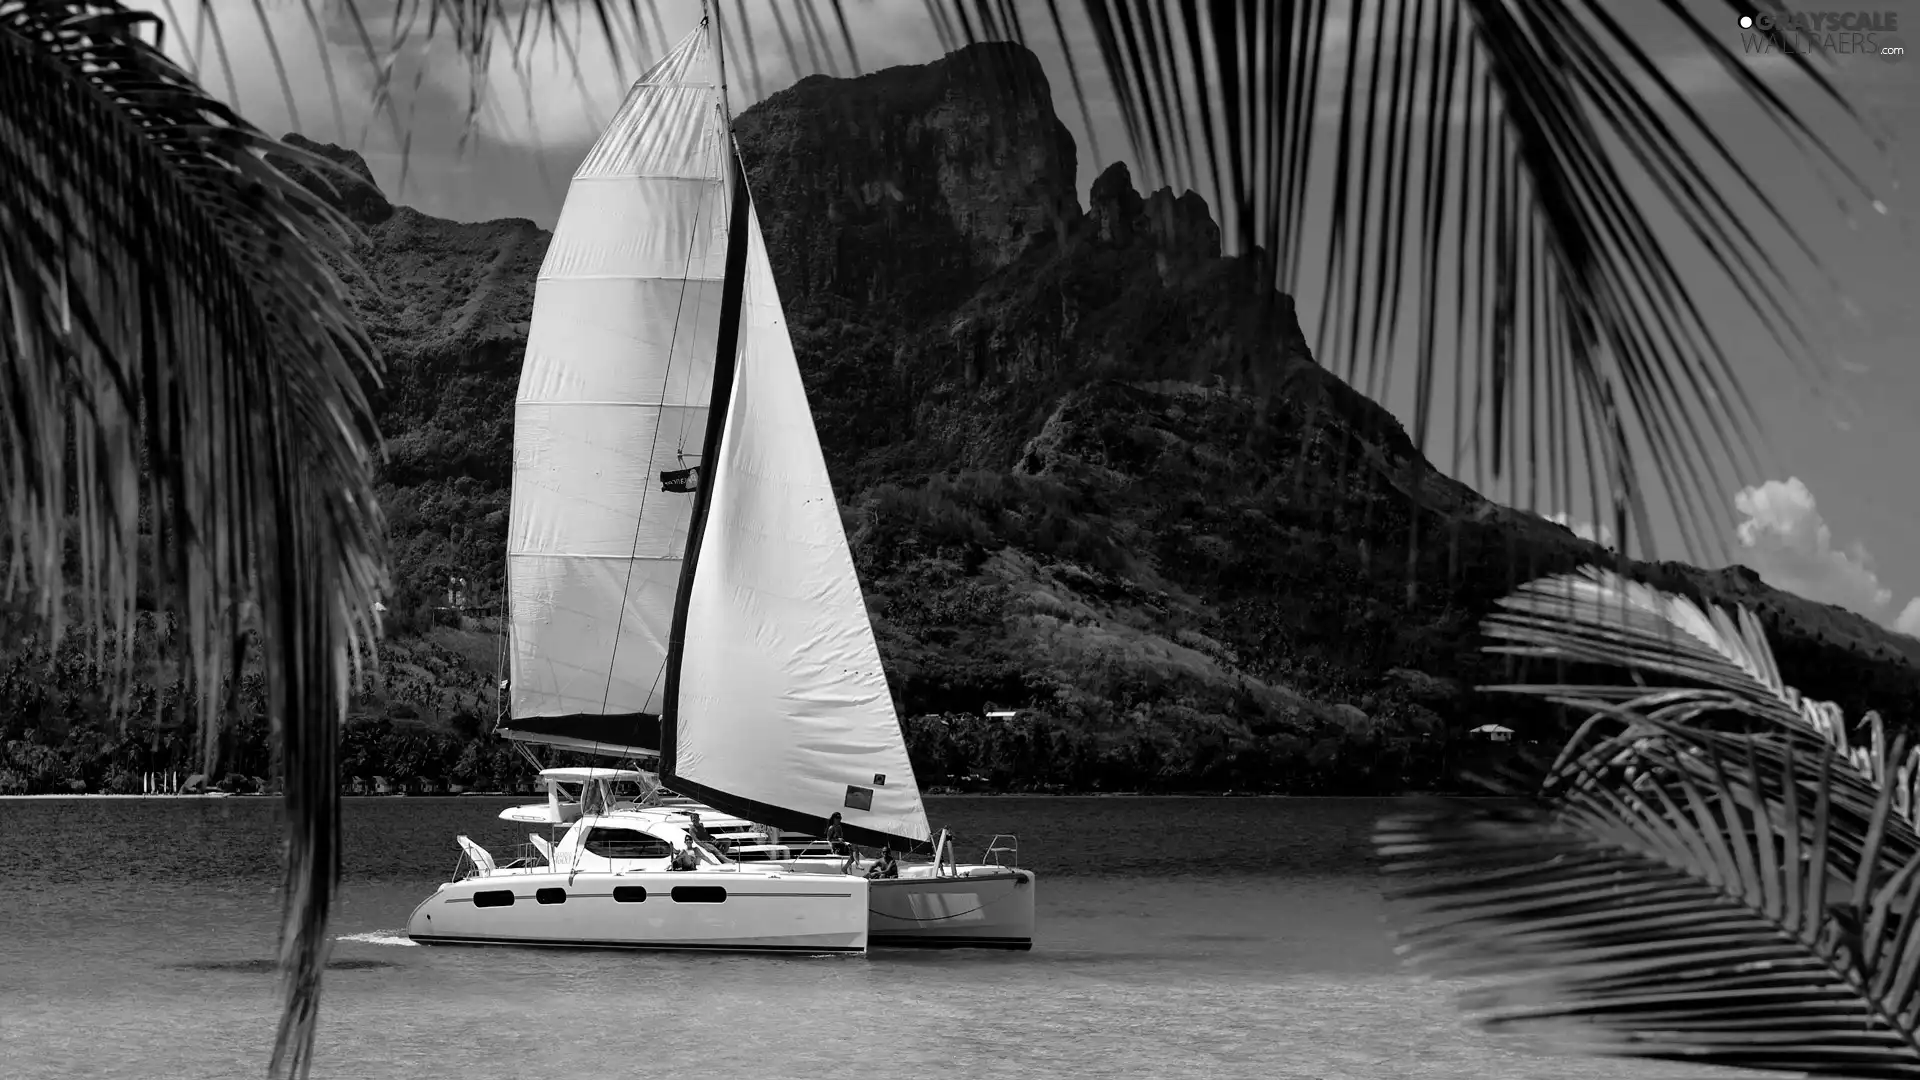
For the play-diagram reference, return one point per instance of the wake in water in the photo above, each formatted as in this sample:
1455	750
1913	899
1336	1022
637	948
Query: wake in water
379	937
264	967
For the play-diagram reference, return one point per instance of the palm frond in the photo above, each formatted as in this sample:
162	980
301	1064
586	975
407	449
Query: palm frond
1681	888
176	346
1693	662
1598	616
1650	748
1698	912
1519	218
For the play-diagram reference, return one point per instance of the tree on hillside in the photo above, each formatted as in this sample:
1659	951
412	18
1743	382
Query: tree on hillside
182	371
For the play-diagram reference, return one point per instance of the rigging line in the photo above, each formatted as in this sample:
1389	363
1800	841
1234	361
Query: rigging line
500	669
657	676
680	448
686	390
686	393
639	517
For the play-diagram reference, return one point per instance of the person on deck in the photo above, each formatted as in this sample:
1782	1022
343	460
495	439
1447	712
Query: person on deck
684	857
837	842
696	830
887	867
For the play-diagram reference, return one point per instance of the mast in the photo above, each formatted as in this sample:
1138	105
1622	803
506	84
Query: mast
710	15
736	177
726	360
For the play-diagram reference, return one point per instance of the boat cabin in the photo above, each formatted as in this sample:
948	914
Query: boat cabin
628	804
572	793
620	843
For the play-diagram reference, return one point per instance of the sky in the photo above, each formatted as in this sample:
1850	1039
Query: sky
1830	511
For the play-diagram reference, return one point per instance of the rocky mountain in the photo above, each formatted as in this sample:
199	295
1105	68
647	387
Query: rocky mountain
1089	469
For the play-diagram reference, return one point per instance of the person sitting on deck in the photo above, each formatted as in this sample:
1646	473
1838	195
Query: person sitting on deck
684	858
837	843
886	867
698	831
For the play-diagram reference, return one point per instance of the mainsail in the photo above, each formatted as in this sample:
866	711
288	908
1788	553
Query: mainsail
680	579
614	391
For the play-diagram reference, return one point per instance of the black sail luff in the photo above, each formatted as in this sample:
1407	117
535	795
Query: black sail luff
726	361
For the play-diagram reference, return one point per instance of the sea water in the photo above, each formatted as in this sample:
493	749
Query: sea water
1211	938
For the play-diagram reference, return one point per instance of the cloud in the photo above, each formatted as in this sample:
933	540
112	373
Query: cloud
1788	543
1697	72
1908	621
1583	529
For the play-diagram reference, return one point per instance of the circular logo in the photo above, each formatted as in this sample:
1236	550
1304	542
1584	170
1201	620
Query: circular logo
1892	49
1746	22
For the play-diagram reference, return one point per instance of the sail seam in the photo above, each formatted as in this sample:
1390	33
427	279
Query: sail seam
639	517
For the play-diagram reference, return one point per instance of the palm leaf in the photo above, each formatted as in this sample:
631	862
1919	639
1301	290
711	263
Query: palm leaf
1578	336
1697	913
1737	894
1694	667
1516	217
1649	749
181	372
1691	662
1580	340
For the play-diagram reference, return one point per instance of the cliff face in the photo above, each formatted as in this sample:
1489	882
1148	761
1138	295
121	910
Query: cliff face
900	190
1085	469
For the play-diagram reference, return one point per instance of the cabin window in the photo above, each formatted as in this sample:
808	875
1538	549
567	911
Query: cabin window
626	844
551	896
699	894
629	894
493	898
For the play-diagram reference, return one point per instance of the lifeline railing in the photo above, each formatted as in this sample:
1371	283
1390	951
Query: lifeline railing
525	854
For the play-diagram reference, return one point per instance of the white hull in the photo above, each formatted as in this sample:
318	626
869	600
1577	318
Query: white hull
987	907
980	906
751	912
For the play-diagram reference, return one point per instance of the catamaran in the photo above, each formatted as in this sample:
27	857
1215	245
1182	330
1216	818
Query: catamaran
681	595
619	879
